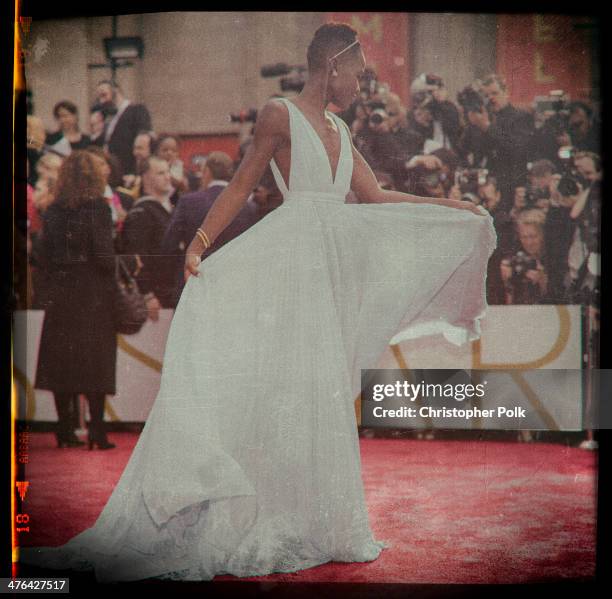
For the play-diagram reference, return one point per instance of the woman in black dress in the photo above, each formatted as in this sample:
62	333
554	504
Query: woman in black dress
78	345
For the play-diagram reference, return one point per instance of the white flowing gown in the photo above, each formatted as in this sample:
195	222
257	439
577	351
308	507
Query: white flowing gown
249	461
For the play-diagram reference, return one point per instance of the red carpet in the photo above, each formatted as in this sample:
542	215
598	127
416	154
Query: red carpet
452	511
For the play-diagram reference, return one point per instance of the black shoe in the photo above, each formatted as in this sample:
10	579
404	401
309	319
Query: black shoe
68	440
101	442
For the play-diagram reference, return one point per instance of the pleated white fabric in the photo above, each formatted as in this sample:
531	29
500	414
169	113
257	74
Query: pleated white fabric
249	461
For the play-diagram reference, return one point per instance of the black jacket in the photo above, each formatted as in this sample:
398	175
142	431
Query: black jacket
503	148
78	345
135	118
188	215
142	232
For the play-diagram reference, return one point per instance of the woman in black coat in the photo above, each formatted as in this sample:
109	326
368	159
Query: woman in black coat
78	346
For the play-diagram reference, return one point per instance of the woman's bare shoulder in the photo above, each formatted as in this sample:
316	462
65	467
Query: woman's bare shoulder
273	118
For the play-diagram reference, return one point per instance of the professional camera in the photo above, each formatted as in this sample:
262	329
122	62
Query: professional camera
521	262
369	85
248	115
470	100
372	94
422	88
377	116
532	196
555	104
377	112
571	180
469	180
435	178
523	290
293	77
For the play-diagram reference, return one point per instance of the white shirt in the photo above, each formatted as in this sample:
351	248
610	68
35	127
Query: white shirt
167	204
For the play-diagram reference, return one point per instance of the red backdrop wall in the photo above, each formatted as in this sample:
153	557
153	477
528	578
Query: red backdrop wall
540	53
204	144
384	38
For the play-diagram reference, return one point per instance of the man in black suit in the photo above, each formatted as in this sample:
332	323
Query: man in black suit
193	207
123	122
498	137
142	233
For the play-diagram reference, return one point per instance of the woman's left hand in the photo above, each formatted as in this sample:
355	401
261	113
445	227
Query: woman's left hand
465	205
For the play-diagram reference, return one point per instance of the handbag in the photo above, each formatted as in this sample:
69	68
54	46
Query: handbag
130	309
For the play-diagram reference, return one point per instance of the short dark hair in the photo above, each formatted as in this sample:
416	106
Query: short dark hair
327	40
113	84
448	157
67	105
220	165
146	164
153	140
163	137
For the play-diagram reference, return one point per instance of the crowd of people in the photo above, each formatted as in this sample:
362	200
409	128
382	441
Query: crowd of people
119	194
541	183
144	178
121	191
537	172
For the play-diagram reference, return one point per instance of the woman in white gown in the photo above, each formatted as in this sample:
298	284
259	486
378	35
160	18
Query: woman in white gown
249	461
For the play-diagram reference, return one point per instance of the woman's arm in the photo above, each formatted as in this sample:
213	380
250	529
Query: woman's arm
366	187
270	134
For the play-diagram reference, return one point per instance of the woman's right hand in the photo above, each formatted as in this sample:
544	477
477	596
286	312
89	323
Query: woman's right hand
192	261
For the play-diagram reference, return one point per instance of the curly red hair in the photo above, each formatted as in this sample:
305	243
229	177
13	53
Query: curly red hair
80	180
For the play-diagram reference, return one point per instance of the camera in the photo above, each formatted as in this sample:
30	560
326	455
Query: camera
469	180
521	263
555	104
292	79
571	181
533	195
433	179
470	100
248	115
433	80
378	116
372	93
294	82
523	290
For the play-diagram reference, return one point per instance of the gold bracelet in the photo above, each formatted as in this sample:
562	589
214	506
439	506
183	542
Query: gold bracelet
202	239
204	236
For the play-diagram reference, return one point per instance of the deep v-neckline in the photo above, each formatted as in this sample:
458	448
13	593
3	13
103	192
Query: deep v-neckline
333	176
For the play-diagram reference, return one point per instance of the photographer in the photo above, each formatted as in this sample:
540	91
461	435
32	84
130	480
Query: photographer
498	135
385	150
583	259
584	128
489	196
434	116
552	141
530	275
541	177
425	175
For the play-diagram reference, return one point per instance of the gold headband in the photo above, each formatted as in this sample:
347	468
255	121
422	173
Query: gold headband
345	49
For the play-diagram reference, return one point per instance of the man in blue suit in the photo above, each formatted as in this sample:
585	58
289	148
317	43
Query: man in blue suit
193	207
